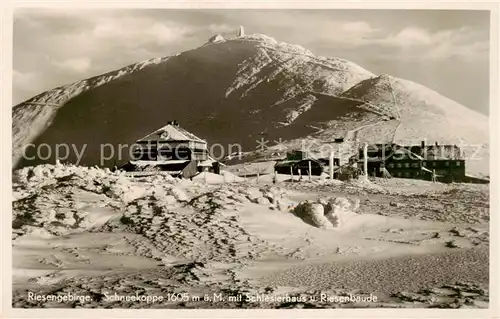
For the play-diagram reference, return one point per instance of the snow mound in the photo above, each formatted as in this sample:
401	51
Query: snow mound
332	213
211	178
179	194
64	199
272	196
230	177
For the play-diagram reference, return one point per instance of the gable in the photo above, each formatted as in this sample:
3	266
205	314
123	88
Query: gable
171	133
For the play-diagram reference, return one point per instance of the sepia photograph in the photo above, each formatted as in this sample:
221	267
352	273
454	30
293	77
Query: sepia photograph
260	158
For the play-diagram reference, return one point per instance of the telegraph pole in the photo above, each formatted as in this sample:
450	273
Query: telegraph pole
331	164
365	160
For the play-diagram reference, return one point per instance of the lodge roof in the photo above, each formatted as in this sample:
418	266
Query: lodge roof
209	162
381	152
285	163
171	133
450	152
383	157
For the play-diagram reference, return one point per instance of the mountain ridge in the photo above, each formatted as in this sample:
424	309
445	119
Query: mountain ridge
239	90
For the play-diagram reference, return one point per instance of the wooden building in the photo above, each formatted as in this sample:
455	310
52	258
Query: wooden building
318	166
420	161
297	155
447	161
174	150
285	167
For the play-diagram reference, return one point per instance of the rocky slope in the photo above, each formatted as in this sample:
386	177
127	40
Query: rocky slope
237	91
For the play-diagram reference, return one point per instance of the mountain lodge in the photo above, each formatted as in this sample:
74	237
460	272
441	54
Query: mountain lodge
300	160
444	162
174	150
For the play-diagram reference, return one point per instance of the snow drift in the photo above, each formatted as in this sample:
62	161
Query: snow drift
326	213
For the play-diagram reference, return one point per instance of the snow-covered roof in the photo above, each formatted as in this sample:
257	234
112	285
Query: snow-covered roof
159	162
209	162
205	163
171	133
286	163
381	157
311	159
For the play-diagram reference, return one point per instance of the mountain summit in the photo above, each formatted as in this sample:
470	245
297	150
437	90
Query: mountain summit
239	90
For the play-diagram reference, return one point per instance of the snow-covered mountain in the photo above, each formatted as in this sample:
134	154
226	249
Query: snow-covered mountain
240	90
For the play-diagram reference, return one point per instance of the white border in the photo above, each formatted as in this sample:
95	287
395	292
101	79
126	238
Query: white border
6	90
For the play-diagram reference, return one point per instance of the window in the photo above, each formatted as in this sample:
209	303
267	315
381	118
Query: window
433	164
398	165
407	174
457	164
391	165
407	165
424	164
446	163
414	165
145	155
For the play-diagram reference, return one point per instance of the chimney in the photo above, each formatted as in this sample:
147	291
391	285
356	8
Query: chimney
175	123
422	145
437	144
169	122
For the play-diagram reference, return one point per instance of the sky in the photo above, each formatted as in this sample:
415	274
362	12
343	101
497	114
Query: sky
445	50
